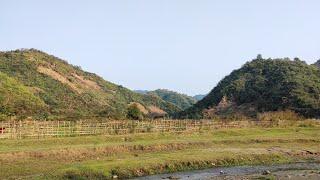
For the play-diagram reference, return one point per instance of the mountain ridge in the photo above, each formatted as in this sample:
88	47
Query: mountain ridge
199	97
180	100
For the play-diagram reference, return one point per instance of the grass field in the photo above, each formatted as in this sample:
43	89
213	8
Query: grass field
125	156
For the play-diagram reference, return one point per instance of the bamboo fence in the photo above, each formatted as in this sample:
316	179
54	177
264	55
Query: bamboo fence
43	129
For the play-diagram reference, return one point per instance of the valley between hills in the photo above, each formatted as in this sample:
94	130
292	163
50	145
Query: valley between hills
58	121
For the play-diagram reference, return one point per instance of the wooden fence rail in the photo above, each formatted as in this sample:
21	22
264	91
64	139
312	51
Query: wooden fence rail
42	129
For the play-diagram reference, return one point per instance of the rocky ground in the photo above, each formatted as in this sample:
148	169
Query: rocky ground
290	174
310	171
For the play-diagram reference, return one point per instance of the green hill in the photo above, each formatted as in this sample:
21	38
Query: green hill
180	100
65	90
263	85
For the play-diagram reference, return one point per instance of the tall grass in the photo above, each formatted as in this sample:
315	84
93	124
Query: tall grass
279	115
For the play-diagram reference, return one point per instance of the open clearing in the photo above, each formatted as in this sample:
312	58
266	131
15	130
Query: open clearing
135	155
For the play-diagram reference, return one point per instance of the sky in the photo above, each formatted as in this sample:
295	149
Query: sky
182	45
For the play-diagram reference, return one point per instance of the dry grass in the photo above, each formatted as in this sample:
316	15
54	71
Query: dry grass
279	115
80	154
156	110
78	84
140	107
86	83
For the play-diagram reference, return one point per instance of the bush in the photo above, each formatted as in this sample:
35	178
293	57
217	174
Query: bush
134	112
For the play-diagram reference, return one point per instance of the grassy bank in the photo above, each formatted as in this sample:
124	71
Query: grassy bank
102	157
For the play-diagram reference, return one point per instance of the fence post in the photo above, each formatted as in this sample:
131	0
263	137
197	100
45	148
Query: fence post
11	130
20	127
58	130
64	128
2	128
38	130
105	128
70	128
33	128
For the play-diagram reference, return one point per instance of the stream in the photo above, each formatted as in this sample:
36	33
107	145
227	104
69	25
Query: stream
283	171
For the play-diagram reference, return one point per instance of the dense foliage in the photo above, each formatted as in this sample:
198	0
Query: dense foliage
64	90
181	100
134	112
267	85
16	99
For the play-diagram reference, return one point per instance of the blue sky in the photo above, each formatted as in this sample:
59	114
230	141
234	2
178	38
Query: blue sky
182	45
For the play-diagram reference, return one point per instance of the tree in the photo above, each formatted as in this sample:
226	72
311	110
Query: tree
134	112
259	57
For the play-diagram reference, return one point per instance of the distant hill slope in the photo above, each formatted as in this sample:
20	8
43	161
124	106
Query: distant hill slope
141	91
180	100
317	64
199	97
263	85
65	90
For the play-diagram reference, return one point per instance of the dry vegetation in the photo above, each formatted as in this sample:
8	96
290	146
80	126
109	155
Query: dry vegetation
43	129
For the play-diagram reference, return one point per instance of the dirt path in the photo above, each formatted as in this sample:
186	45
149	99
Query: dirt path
308	171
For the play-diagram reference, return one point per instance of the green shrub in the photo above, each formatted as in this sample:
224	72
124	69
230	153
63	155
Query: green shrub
134	112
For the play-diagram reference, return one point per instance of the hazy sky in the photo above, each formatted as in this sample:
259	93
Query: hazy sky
183	45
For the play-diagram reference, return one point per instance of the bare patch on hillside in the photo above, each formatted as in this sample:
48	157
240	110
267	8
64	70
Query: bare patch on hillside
228	108
77	83
155	112
87	83
150	111
55	75
140	107
154	109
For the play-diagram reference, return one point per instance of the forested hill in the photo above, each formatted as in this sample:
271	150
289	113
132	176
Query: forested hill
263	85
180	100
36	84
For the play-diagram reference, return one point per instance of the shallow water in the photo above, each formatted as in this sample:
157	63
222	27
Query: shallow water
234	172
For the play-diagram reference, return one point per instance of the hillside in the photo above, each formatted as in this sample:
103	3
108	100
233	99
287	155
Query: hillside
263	85
180	100
15	98
64	90
199	97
